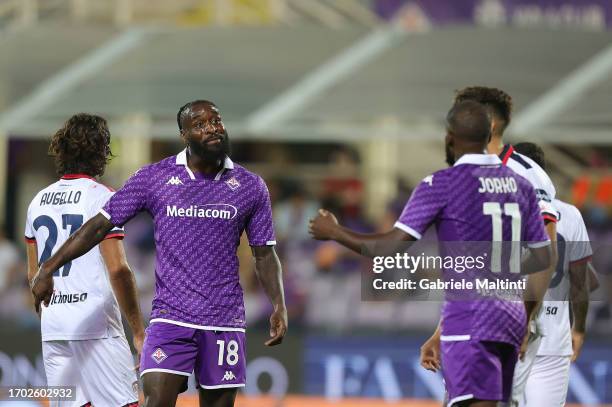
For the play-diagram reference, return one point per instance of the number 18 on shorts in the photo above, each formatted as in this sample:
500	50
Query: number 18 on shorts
217	358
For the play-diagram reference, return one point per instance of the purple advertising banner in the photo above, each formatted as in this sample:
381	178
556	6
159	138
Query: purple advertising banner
583	14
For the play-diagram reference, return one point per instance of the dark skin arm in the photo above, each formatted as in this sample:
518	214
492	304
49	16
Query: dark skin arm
540	272
579	274
326	227
124	286
269	274
79	243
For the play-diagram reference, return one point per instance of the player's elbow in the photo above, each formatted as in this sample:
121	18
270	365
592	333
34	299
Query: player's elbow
119	271
549	257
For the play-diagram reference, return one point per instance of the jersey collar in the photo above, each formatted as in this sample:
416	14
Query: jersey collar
506	153
77	176
181	159
478	159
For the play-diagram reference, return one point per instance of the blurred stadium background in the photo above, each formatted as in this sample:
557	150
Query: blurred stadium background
337	103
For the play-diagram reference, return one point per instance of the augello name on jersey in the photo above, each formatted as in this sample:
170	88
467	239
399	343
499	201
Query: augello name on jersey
60	198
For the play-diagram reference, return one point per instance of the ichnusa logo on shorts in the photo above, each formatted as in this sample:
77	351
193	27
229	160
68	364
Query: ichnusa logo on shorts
228	376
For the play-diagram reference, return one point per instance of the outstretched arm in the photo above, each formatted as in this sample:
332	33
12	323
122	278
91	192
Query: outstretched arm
79	243
326	227
269	273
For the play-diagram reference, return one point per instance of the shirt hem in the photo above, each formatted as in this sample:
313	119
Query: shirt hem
536	245
48	338
196	326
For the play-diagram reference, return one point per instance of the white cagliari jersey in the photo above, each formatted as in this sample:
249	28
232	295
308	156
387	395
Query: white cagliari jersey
529	169
83	305
573	245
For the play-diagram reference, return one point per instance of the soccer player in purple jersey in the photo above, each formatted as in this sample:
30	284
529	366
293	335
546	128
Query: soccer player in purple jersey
200	202
499	105
481	338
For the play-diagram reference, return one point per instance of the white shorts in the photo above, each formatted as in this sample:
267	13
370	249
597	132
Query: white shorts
548	382
103	371
522	371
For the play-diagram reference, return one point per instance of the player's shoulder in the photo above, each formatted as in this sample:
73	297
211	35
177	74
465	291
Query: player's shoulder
531	170
96	189
240	173
37	197
567	211
154	170
168	162
438	178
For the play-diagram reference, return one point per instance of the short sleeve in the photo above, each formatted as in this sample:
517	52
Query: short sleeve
260	227
547	209
534	231
129	200
425	204
29	231
580	246
103	194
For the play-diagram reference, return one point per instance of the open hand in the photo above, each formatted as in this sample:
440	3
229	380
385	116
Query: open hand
430	354
42	288
278	327
577	342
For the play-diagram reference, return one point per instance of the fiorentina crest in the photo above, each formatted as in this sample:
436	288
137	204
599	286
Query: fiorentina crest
159	356
232	183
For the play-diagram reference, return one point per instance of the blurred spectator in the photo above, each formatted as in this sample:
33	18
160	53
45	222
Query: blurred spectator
12	268
15	298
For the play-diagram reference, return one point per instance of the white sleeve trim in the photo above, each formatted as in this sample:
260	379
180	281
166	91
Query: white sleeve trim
537	245
222	386
455	338
408	230
460	398
178	372
105	214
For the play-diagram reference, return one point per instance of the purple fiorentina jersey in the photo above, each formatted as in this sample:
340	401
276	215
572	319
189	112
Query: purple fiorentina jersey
198	222
464	202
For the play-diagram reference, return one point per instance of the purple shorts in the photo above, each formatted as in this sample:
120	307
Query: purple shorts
217	358
480	370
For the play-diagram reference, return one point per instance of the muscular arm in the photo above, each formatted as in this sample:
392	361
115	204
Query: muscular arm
540	272
579	294
269	274
32	255
124	286
579	274
325	227
79	243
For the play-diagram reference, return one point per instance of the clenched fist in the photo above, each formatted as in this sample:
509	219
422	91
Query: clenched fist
324	226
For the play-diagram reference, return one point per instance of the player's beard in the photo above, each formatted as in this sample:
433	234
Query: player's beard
450	155
211	153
